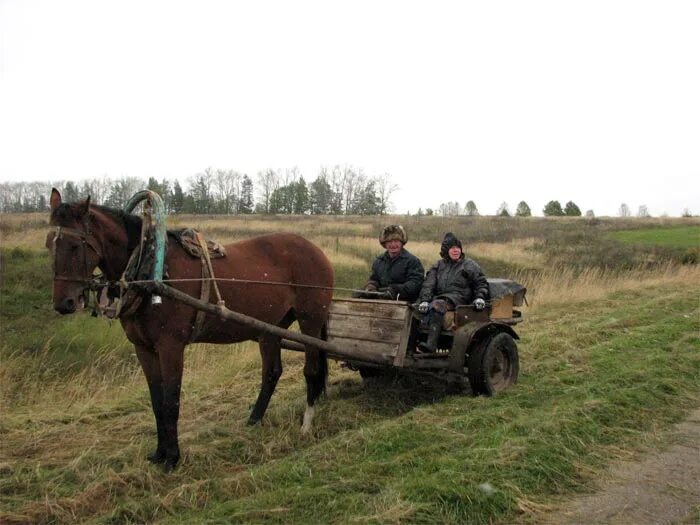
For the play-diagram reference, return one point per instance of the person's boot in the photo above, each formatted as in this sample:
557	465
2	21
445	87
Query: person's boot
434	329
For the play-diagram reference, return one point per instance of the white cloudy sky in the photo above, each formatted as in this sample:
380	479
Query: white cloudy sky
596	102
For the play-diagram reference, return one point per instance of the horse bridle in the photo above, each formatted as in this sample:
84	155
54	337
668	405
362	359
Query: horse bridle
86	240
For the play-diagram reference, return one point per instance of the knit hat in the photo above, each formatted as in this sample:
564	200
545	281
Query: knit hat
448	242
393	232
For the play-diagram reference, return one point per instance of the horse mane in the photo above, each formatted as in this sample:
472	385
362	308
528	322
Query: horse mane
132	223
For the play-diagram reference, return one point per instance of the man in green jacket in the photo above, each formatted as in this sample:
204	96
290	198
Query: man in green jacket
397	274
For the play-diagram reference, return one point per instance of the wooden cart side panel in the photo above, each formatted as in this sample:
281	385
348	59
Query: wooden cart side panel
502	308
365	328
373	331
400	358
366	308
370	351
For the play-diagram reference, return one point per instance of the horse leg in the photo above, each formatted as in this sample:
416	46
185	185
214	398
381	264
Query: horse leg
315	372
171	355
151	369
271	372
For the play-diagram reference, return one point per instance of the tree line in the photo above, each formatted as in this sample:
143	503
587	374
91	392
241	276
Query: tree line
336	190
552	209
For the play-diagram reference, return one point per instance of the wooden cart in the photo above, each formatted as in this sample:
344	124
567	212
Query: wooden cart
477	351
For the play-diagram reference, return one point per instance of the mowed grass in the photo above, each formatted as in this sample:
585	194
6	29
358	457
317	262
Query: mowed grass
608	358
678	237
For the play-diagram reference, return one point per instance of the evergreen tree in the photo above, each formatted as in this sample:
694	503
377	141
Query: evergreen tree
301	197
320	196
470	209
246	203
523	210
202	201
553	209
366	201
70	192
572	210
162	189
177	202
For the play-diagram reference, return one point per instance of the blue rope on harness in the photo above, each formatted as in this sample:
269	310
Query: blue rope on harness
154	205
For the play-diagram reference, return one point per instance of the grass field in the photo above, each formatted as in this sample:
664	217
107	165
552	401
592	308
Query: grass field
609	357
681	237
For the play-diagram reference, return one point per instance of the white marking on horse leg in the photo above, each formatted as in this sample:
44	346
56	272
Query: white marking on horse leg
308	419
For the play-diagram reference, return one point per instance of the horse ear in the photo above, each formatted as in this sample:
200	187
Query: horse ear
84	207
55	199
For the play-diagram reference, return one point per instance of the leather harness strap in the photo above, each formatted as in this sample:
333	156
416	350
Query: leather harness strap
207	280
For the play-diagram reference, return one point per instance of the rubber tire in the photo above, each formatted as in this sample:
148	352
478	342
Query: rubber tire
493	366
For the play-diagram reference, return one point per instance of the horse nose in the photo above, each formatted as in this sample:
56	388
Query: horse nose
67	306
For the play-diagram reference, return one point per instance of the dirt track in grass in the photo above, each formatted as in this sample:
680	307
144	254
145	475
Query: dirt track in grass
662	488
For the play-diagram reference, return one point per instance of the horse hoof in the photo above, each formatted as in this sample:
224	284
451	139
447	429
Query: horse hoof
169	465
252	421
156	457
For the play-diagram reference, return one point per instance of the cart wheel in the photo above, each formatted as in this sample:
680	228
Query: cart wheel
493	365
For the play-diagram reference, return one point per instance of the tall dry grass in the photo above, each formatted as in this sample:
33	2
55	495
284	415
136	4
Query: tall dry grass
518	252
561	284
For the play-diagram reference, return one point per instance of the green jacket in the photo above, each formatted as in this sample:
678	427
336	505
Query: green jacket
403	275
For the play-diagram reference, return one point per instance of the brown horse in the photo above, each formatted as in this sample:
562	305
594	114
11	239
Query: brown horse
88	236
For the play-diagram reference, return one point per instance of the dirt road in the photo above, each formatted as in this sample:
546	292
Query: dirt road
664	488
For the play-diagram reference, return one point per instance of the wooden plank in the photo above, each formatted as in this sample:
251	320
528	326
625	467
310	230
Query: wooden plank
502	308
370	351
365	328
403	343
367	308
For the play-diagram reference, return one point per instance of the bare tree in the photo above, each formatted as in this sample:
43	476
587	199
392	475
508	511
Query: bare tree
122	190
643	211
267	182
227	184
350	185
385	188
336	183
624	210
37	196
449	209
503	210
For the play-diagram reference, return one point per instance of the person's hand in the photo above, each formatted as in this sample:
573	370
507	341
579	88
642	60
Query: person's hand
479	304
423	307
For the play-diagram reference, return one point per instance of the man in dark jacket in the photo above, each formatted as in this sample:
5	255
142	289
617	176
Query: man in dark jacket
451	281
397	273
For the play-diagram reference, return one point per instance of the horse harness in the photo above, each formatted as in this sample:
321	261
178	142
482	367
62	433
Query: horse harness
126	303
86	240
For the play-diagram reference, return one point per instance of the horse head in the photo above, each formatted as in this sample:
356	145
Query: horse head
75	250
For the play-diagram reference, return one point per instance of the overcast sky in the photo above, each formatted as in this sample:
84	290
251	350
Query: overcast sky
592	101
